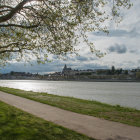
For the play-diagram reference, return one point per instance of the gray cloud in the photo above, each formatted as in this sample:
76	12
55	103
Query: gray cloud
81	58
135	51
88	57
119	33
120	49
93	66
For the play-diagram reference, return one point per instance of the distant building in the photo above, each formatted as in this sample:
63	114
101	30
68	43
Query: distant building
68	71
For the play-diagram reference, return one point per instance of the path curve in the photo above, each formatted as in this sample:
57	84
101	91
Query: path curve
88	125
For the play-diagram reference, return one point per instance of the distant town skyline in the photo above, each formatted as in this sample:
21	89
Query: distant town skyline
69	67
67	73
121	47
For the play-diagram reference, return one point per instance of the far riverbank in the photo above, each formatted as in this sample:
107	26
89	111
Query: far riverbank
77	80
96	80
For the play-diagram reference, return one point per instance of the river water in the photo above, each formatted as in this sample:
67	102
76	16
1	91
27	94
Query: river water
121	93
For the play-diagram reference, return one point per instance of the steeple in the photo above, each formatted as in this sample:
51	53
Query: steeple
65	67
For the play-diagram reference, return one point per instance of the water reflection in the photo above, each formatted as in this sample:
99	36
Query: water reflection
125	94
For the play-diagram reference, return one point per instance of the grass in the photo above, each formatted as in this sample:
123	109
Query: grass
116	113
18	125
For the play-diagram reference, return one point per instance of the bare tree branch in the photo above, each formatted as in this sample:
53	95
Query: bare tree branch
14	11
6	51
6	46
20	26
5	6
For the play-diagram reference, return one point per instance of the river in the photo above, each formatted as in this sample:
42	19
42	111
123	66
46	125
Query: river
121	93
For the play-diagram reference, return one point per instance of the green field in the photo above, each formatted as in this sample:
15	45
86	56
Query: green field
18	125
93	108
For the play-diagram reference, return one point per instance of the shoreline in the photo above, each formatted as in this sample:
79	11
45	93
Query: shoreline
95	80
84	124
98	109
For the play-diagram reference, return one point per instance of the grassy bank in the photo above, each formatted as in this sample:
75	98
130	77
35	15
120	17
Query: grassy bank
18	125
114	113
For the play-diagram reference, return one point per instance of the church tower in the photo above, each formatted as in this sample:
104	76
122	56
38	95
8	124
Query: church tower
66	70
65	67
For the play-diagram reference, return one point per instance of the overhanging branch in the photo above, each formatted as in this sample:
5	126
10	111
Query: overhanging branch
6	51
14	10
20	26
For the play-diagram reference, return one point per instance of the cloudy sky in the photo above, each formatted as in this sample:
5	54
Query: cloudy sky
122	48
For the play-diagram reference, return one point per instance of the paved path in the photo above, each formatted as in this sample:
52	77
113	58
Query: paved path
88	125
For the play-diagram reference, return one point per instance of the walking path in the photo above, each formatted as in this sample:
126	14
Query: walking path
88	125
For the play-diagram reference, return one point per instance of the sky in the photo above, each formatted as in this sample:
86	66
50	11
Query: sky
121	45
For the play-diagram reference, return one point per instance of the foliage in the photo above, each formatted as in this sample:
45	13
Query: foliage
85	73
138	75
93	108
31	29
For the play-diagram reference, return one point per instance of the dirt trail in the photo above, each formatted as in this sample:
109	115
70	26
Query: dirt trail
88	125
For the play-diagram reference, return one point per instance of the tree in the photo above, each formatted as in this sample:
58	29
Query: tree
36	28
113	70
126	72
138	75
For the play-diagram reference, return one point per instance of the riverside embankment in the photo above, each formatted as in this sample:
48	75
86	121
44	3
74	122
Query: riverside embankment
88	125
